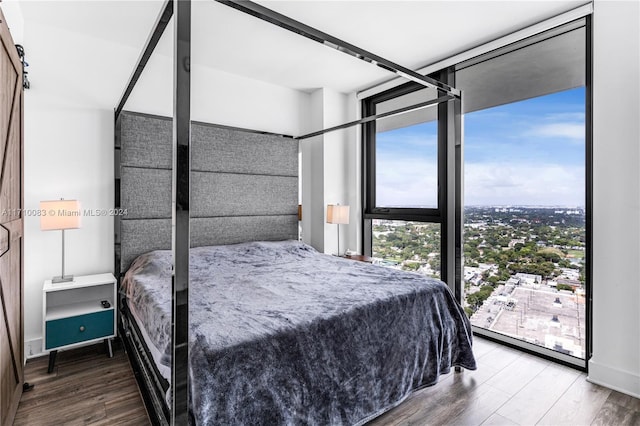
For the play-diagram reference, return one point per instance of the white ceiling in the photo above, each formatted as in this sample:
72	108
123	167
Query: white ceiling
411	33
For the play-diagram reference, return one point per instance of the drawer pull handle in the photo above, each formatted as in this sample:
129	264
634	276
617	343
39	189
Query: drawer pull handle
82	328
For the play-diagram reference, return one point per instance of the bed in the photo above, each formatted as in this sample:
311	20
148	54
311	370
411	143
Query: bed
283	335
279	333
342	354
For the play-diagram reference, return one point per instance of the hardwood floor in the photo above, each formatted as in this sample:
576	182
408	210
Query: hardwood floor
513	388
509	388
85	388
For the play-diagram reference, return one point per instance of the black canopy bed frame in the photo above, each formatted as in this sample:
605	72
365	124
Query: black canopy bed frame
174	169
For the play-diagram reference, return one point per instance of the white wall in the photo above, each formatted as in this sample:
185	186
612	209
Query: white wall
76	82
352	151
336	169
616	197
330	173
68	153
312	196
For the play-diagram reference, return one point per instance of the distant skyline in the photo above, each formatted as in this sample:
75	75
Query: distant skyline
527	153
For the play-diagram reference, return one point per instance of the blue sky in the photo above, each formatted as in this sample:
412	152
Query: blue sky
525	153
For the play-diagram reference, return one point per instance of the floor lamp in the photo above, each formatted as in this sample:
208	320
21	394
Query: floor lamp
338	215
60	215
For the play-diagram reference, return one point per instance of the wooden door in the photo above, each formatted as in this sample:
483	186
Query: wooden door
11	227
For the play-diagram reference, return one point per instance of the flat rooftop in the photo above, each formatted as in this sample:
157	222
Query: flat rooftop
528	313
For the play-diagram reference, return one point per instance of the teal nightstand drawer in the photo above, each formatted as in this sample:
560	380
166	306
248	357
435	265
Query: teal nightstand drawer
66	331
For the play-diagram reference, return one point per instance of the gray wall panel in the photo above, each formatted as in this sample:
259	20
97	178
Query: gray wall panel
140	236
244	185
235	151
145	193
146	141
222	194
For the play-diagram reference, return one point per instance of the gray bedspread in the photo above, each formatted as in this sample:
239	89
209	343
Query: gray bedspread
283	335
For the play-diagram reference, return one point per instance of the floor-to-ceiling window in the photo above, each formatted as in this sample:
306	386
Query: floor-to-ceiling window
526	162
525	235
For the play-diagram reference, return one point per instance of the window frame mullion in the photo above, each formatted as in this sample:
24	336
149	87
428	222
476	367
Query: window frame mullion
424	215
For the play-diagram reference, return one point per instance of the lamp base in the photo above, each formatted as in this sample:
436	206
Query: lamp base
62	279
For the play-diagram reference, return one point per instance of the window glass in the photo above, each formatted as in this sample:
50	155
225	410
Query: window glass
410	246
407	166
525	235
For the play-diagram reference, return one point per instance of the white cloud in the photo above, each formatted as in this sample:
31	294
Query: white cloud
523	184
406	182
410	140
566	116
574	131
414	182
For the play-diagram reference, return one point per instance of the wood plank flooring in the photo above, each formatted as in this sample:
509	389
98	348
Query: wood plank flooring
513	388
85	388
509	388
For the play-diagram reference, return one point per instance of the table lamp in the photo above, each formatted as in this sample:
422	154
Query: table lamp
338	215
60	215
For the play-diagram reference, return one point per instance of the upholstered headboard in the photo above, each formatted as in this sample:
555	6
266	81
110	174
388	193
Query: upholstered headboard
244	186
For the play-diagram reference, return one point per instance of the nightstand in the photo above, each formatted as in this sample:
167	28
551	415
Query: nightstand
359	258
78	313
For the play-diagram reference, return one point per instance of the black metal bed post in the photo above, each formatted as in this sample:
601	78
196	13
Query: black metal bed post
117	221
181	196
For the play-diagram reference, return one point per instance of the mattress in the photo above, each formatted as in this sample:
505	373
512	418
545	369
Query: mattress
281	334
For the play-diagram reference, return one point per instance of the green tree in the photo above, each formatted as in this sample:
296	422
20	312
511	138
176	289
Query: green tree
564	287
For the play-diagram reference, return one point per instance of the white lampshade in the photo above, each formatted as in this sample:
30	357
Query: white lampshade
60	214
338	214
